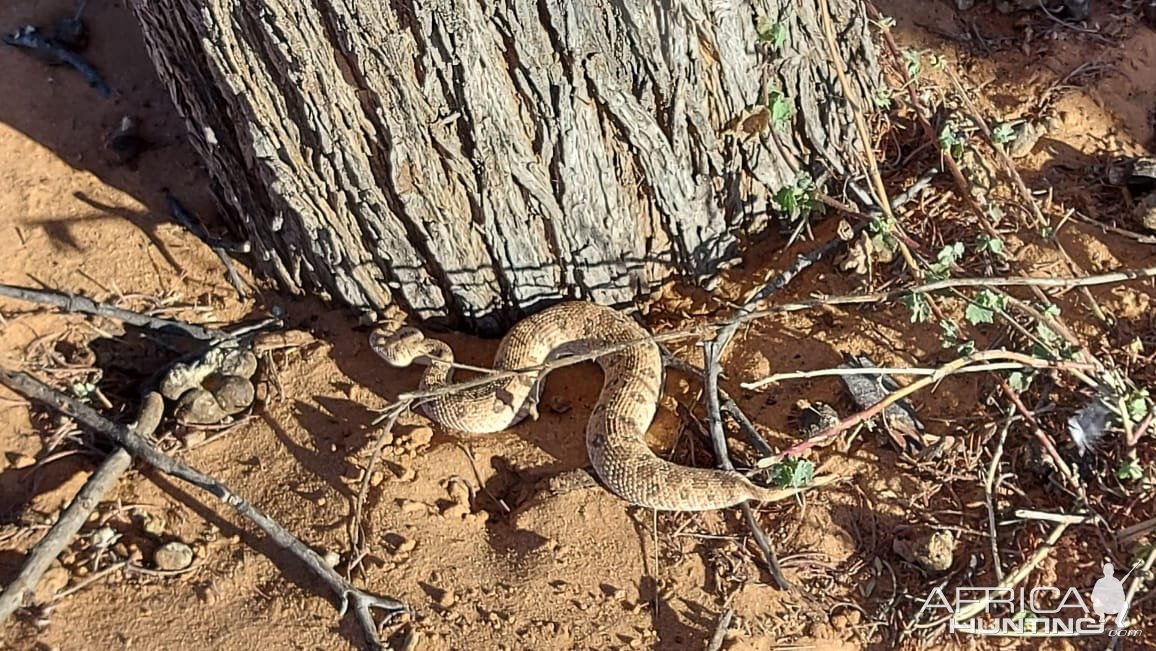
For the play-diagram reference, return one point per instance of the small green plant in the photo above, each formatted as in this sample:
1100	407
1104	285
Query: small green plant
1137	403
937	61
946	257
781	110
1019	381
772	33
798	198
988	244
951	142
881	229
949	332
792	472
1130	470
983	307
885	23
1003	133
912	63
83	390
919	307
883	98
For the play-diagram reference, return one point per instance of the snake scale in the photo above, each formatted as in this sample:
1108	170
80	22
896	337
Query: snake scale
615	432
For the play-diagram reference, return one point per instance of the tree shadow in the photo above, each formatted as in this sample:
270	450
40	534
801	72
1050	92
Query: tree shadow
54	106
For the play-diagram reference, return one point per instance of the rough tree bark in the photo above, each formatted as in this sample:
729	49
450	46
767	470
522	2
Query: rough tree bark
472	159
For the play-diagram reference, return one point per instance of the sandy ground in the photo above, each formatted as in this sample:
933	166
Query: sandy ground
461	529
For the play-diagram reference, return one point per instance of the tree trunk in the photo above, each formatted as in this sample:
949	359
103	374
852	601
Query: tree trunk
473	159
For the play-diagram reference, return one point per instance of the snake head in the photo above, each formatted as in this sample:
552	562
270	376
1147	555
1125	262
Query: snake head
400	347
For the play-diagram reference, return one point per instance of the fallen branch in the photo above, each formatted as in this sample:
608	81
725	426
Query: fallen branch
344	593
712	350
1020	362
76	514
990	484
950	368
82	305
27	37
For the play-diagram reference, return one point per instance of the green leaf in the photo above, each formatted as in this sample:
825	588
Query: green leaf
945	258
920	309
983	307
990	244
1018	381
1130	470
949	331
781	109
912	63
977	314
882	98
771	32
1003	133
1138	405
792	472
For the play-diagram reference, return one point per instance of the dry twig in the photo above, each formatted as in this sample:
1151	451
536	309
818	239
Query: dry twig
344	593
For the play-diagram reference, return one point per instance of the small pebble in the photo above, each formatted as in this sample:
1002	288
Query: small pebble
420	436
455	511
153	525
447	599
376	478
412	506
173	556
406	545
331	558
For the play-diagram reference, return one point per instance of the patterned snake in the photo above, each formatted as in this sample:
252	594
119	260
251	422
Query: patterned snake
615	433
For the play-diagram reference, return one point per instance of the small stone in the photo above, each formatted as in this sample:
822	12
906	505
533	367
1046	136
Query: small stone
559	405
412	506
153	525
234	393
455	512
376	478
406	545
198	407
321	501
447	599
194	437
173	557
405	473
331	558
420	436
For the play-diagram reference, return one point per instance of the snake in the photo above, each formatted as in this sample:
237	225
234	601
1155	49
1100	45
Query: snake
616	430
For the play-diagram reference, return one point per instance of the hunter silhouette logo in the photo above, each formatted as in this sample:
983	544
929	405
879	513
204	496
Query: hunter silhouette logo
1108	596
1043	611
